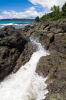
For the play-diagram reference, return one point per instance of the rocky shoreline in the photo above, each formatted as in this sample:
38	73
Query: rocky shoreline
16	49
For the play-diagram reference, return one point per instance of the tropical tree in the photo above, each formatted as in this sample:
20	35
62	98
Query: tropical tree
37	19
53	8
63	13
56	10
56	13
64	7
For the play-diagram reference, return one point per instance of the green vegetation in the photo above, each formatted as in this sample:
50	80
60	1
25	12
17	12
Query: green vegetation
37	19
56	13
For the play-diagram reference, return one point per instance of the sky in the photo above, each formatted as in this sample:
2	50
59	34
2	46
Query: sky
26	8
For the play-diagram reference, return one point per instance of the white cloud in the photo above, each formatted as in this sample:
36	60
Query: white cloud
1	17
48	3
31	12
28	13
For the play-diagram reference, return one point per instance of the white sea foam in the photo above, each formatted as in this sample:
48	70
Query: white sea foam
17	26
20	24
6	24
12	24
3	25
25	84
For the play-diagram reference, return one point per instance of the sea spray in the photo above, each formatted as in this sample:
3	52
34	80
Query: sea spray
25	84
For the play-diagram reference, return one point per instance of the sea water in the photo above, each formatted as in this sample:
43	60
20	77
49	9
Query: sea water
15	23
25	84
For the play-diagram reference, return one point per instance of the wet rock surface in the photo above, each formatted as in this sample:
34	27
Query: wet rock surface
25	55
16	49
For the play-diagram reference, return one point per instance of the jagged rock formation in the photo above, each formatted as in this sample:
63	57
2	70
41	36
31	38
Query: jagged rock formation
52	36
16	49
11	46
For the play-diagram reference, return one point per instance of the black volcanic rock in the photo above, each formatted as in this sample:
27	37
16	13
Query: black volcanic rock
12	38
8	59
11	46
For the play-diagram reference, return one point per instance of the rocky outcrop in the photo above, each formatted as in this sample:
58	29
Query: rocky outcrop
52	36
11	46
50	65
54	66
12	38
59	43
16	49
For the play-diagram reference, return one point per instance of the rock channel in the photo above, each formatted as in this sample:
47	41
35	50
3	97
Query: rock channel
16	49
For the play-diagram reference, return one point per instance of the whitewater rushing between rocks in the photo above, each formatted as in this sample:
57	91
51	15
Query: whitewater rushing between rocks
25	84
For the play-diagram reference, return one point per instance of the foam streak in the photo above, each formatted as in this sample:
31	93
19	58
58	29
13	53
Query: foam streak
25	84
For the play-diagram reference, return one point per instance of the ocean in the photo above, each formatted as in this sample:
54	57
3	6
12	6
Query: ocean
17	23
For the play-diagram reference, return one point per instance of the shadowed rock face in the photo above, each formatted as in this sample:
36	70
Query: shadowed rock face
11	45
25	55
8	59
12	38
15	50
